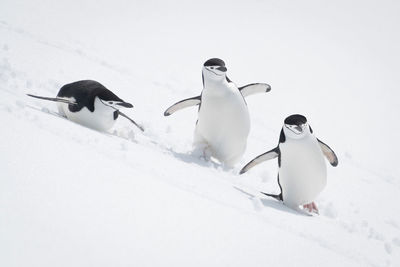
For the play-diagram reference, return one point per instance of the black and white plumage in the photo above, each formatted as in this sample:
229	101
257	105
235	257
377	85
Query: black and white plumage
89	103
302	171
217	66
223	120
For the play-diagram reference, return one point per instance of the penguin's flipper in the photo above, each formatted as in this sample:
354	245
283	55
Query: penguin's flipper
254	88
273	153
193	101
329	154
137	125
55	99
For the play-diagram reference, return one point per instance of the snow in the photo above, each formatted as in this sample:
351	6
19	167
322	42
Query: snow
71	196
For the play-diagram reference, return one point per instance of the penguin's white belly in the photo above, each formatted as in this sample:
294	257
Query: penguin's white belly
101	119
224	124
302	174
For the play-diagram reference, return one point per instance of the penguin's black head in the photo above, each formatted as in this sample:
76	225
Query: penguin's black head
108	98
215	64
214	70
295	119
295	125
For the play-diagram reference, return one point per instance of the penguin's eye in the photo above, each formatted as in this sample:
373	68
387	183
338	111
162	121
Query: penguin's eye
212	68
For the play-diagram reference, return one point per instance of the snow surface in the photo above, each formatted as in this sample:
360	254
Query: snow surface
71	196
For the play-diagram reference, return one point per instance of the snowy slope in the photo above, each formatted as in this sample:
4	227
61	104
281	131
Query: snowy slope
71	196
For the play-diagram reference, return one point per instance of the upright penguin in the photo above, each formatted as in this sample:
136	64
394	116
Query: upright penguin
302	169
223	119
89	103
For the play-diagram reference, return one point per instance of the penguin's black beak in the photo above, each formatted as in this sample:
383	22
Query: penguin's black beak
125	104
222	68
299	128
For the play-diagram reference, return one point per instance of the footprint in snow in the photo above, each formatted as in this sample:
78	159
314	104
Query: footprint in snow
388	248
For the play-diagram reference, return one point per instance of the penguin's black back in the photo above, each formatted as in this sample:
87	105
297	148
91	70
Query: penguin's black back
85	92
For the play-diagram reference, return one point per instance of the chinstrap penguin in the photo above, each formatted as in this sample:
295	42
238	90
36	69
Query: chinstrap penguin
302	169
223	122
89	103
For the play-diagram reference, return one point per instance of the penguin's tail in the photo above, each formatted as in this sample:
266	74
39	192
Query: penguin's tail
277	197
54	99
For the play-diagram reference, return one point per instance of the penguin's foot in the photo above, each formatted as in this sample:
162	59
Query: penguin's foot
311	207
206	153
203	151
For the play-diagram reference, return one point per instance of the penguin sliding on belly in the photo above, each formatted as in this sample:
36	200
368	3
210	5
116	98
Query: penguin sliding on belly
223	118
302	169
89	103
